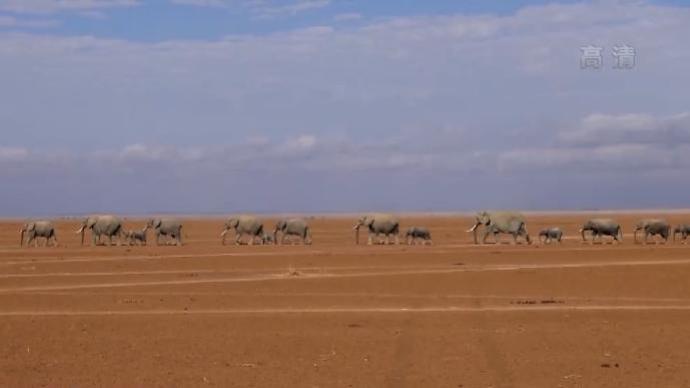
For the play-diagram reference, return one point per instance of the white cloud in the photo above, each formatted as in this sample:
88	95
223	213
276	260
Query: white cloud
262	8
267	9
349	16
50	6
12	22
630	128
13	154
632	142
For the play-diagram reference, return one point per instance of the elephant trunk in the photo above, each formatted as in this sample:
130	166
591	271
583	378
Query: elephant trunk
356	229
582	232
21	237
635	235
620	234
275	236
223	235
674	235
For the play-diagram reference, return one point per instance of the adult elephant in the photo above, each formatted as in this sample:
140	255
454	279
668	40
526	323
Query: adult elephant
500	222
36	229
167	227
683	230
377	224
653	227
292	227
242	225
602	227
103	225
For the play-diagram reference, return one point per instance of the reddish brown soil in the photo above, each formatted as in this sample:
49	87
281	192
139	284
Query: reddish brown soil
334	314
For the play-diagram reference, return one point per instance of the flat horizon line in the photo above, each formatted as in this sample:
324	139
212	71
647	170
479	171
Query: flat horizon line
350	214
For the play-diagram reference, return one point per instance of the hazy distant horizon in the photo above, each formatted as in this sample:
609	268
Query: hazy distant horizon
306	106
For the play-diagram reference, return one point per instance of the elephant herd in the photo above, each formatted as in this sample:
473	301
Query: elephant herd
107	229
381	228
515	225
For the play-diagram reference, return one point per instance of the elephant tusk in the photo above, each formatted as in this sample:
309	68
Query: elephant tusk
472	229
356	227
224	233
79	231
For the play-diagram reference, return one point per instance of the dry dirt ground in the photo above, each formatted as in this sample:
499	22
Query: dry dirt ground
338	315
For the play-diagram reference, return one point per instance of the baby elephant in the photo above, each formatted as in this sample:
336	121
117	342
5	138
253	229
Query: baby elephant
683	230
267	239
550	234
136	236
417	233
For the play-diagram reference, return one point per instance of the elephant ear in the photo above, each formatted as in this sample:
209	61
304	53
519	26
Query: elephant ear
234	222
90	222
30	226
157	223
369	221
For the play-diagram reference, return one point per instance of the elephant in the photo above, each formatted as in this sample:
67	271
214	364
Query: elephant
416	233
292	227
166	227
550	234
653	227
683	230
267	239
104	225
242	225
501	222
36	229
385	224
602	227
137	236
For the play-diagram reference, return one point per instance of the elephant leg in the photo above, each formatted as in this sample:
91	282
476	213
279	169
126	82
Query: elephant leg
251	240
370	239
397	239
238	236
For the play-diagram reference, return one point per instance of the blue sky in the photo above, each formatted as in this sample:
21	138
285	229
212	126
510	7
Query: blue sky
218	106
159	20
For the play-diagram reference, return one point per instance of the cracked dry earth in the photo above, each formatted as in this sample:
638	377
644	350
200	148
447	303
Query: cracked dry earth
337	315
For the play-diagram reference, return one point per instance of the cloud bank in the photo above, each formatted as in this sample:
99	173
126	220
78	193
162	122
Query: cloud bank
451	112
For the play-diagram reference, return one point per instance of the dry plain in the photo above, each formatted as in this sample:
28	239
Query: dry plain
338	315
